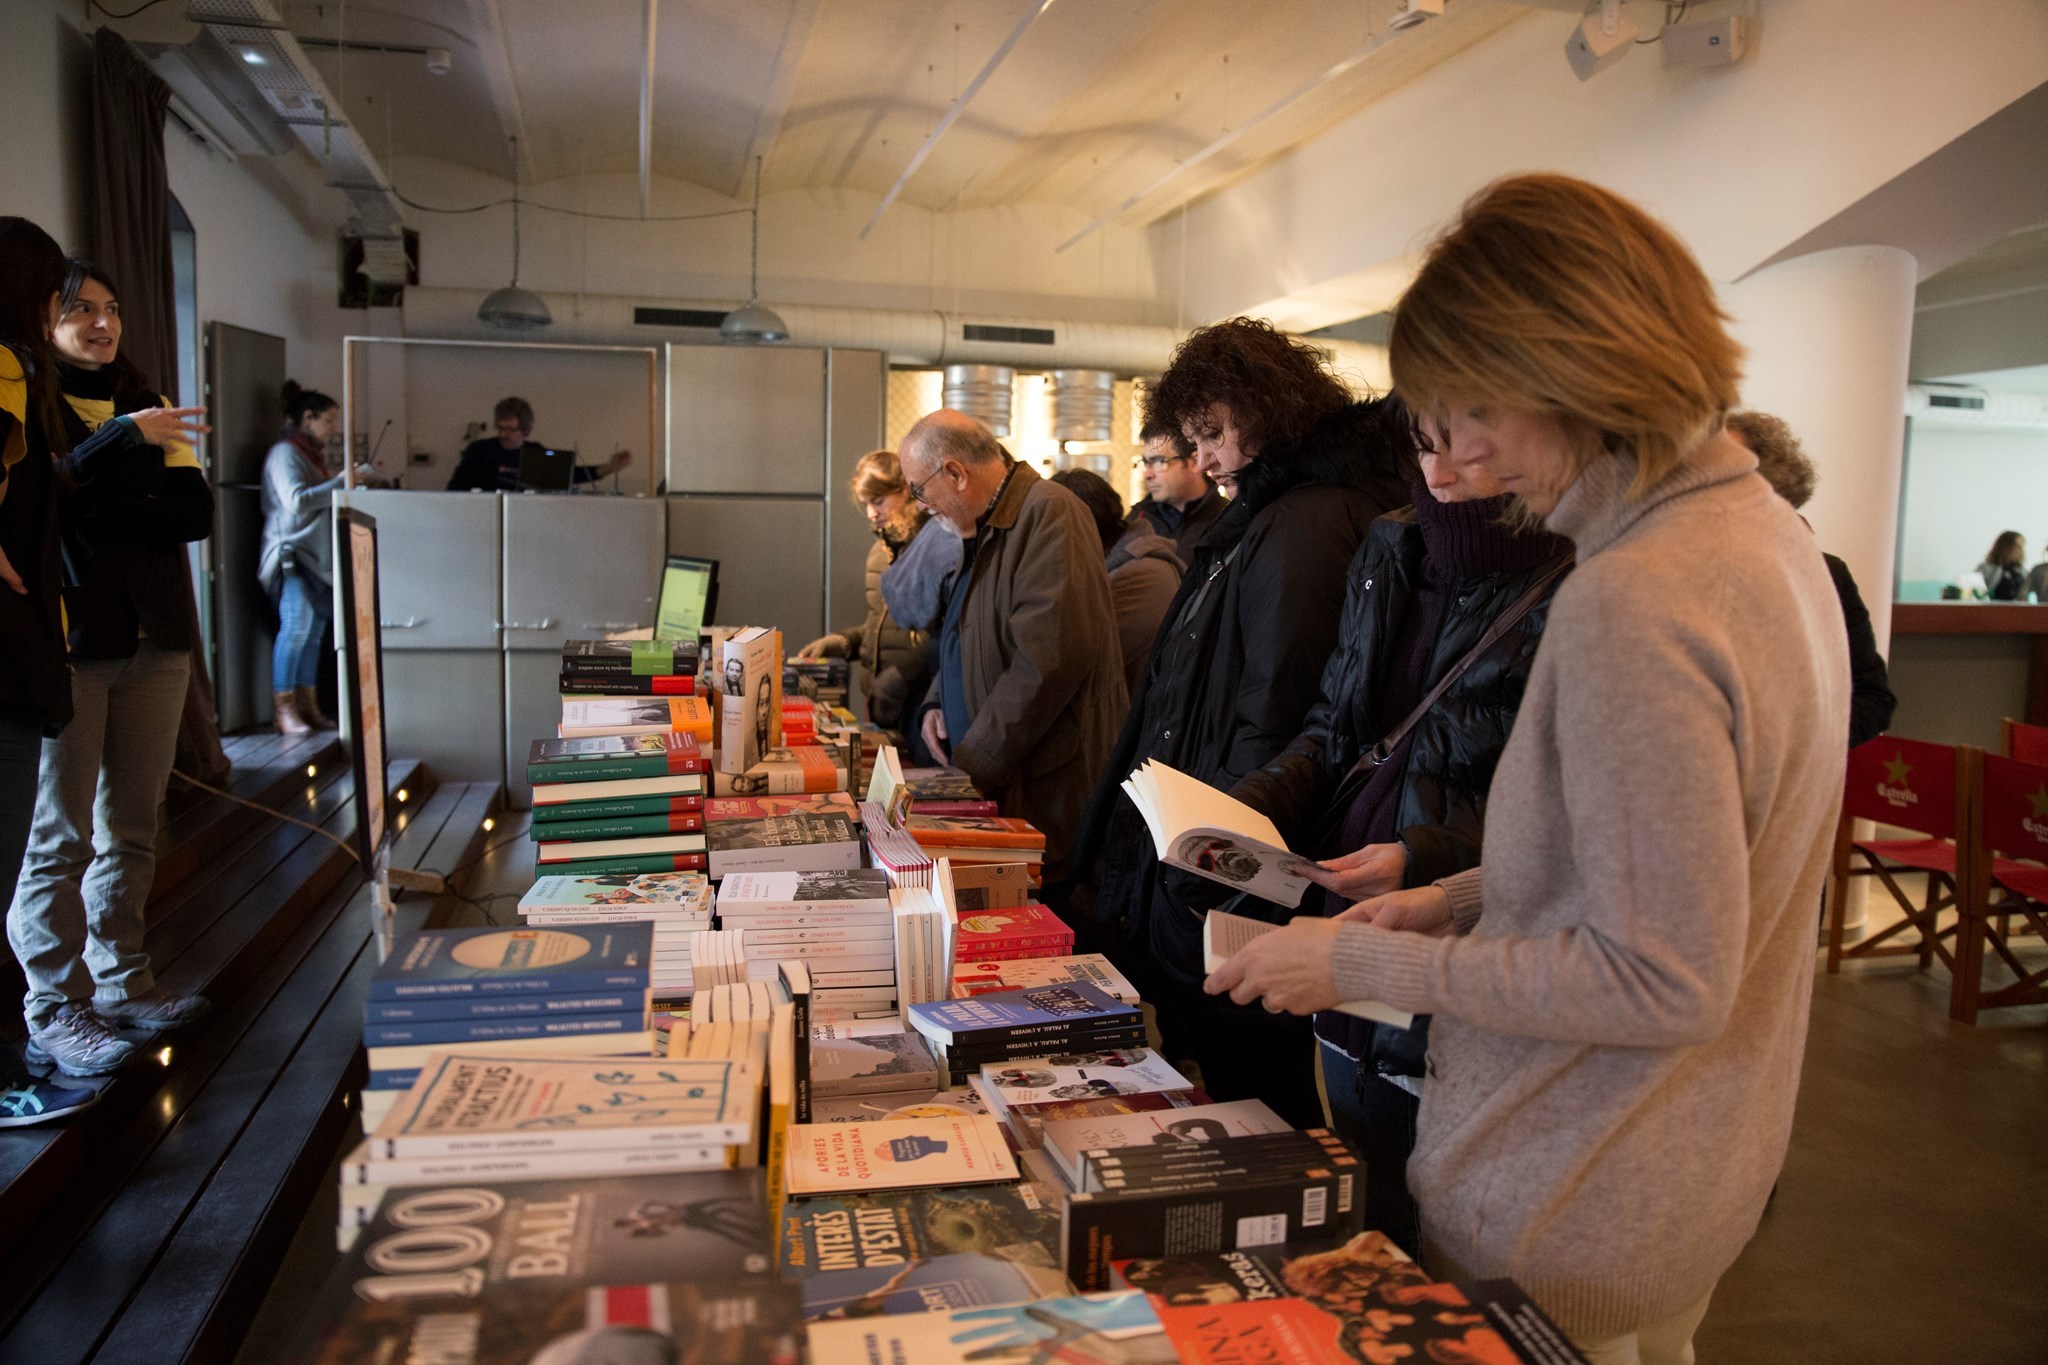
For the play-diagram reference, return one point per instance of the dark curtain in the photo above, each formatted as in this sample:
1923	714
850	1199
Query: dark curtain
131	240
131	201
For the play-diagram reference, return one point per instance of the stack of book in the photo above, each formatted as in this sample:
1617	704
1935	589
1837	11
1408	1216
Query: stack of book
629	668
1026	1095
978	838
1013	974
839	924
717	958
676	904
564	990
924	945
803	833
1024	931
592	796
1041	1021
945	791
824	679
892	850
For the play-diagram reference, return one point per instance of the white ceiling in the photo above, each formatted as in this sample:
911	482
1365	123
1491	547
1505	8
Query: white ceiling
1098	98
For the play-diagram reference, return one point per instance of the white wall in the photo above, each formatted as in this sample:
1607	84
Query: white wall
1964	487
1841	97
45	79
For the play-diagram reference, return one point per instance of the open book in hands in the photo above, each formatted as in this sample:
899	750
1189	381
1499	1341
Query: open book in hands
1203	831
1223	934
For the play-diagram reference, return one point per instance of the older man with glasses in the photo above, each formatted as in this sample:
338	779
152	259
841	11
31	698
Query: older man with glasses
1182	501
1030	687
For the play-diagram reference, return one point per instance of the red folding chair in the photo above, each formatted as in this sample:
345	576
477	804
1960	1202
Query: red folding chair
1912	785
2027	743
2006	880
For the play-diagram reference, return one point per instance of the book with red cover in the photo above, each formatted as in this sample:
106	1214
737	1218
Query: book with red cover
1488	1323
761	807
992	935
627	685
976	831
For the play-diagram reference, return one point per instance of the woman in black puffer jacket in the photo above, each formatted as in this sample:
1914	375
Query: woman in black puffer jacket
1234	668
1429	582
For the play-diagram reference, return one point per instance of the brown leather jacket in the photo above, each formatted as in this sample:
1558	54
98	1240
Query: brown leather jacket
1040	662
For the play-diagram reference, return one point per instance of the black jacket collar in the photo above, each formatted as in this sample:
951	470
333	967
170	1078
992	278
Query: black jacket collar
1349	447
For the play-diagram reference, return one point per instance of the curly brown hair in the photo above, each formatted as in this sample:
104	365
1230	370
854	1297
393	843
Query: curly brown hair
1779	456
1276	386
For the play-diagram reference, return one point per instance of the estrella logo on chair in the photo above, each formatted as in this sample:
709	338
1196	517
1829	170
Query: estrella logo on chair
2037	823
1894	788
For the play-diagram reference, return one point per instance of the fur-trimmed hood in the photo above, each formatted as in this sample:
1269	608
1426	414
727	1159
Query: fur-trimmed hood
1355	447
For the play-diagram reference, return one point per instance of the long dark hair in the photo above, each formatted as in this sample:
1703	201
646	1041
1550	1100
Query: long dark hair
31	270
127	376
2008	549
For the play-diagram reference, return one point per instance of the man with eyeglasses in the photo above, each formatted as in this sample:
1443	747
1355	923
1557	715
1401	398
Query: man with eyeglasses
1181	501
1030	686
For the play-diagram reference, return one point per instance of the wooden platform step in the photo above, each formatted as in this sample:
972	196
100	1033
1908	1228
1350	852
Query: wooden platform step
148	1228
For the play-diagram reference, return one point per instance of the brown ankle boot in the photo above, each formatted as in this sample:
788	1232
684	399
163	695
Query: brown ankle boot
309	710
285	715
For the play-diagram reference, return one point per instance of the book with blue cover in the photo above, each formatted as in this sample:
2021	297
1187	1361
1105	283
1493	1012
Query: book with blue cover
499	1030
558	959
1040	1008
502	1007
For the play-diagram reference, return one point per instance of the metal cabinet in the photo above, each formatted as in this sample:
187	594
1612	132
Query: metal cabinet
578	567
437	567
446	707
746	419
771	558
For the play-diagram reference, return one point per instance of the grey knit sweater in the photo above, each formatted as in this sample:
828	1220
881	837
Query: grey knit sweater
1618	1035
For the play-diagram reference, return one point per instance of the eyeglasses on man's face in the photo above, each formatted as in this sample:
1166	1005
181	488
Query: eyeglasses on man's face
1156	461
916	490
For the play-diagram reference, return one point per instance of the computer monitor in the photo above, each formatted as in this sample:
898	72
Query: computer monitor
689	595
542	470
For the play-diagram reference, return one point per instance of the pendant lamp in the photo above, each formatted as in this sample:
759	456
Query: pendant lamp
514	309
754	325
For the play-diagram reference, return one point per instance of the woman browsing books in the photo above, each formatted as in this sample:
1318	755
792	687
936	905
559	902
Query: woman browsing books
1620	994
1234	670
1450	593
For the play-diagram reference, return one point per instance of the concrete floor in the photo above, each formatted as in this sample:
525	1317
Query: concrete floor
1911	1222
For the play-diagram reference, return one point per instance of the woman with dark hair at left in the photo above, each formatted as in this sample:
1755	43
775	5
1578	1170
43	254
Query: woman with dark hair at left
35	686
76	921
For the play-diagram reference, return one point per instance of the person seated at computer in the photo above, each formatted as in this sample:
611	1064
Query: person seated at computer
492	463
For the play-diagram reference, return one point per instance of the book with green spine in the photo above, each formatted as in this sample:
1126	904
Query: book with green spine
634	862
616	807
617	827
595	758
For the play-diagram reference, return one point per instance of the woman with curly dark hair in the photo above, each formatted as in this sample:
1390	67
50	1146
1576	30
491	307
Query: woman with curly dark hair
1237	664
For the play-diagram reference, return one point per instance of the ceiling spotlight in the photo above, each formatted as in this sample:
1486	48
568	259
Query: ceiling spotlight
1602	38
439	61
254	56
1412	12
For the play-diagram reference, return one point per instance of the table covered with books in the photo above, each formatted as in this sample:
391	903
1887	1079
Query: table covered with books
768	1073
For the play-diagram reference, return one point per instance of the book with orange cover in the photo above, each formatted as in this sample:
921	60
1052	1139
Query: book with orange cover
976	831
637	716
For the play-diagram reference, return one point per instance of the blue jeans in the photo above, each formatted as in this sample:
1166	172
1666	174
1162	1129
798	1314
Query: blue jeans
295	658
76	921
1378	1118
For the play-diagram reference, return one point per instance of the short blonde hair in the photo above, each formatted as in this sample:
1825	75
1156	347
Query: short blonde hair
876	474
1555	296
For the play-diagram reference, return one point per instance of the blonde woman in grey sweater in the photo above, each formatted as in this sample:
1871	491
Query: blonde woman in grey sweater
1621	990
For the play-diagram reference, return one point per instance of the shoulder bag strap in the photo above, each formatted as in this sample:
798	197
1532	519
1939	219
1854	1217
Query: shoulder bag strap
1502	624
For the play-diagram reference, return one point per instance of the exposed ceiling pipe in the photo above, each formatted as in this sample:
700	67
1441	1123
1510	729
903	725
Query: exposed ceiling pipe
1349	63
789	55
647	107
931	140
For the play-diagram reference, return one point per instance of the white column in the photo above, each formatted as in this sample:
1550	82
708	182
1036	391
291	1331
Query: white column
1829	337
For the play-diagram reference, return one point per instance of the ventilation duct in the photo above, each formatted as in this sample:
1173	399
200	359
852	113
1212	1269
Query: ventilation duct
1960	407
1081	404
264	56
909	337
982	392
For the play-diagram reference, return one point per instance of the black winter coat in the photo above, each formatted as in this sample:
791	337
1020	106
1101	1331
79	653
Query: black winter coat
1229	685
1448	759
1871	702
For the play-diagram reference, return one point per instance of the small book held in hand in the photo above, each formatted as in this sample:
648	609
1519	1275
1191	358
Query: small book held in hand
1224	933
1201	830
